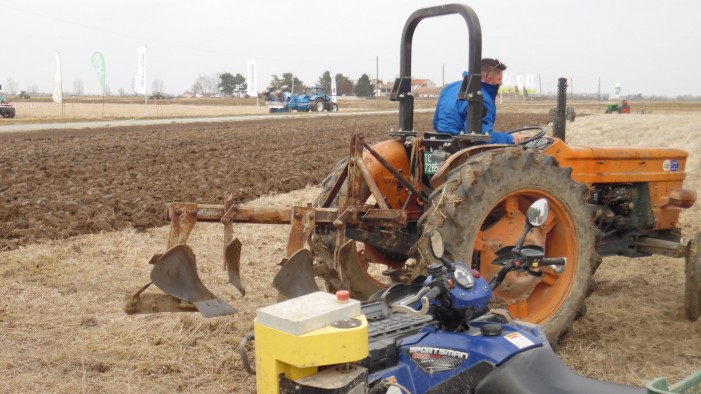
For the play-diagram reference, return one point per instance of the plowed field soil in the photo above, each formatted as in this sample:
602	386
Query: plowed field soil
61	183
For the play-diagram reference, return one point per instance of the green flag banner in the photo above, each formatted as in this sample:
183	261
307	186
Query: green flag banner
98	61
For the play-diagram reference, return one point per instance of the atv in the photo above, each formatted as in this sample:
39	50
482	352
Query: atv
435	334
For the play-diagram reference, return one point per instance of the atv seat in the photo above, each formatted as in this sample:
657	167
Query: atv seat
525	371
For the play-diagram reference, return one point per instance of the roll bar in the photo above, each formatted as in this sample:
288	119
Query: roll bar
471	88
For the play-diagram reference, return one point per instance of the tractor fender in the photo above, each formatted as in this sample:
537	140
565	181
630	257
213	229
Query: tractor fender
394	152
458	159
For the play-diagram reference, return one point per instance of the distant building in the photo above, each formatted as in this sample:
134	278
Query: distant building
420	88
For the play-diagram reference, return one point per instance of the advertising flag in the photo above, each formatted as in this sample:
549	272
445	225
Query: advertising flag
252	81
98	61
58	88
140	80
333	86
519	84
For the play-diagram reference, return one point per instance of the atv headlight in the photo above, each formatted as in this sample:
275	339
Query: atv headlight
464	277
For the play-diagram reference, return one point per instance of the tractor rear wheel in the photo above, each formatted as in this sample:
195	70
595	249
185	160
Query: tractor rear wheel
318	105
481	208
8	112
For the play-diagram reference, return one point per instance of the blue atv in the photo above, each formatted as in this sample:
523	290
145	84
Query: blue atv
436	334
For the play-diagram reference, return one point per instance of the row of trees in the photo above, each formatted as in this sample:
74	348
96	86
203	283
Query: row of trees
228	84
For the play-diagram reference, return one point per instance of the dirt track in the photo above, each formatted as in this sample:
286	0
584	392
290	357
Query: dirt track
61	183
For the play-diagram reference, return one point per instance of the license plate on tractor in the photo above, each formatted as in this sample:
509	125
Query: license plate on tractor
430	167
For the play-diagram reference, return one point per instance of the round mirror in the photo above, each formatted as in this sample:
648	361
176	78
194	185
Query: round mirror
538	212
437	243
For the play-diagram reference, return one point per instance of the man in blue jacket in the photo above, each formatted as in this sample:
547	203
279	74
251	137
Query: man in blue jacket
451	113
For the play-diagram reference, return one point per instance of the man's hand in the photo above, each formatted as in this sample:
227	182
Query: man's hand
518	138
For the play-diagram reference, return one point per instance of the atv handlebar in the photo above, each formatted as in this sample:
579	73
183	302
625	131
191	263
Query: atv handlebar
561	262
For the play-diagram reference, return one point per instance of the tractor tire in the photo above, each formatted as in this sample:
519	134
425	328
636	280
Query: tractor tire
624	110
8	112
608	110
334	107
570	114
481	208
318	105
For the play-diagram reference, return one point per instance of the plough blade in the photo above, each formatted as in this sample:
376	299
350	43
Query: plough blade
296	277
175	272
156	303
355	279
232	260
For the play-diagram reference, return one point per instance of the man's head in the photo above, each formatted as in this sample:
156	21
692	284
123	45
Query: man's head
492	71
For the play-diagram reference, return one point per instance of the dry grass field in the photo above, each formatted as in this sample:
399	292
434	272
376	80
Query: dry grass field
62	326
116	109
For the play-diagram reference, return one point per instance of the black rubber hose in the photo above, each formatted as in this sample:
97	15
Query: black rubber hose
244	355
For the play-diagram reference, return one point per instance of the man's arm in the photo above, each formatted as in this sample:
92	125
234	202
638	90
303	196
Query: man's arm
497	137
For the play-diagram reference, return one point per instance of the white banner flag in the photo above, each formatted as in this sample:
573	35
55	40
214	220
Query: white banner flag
140	80
252	81
519	84
58	88
333	86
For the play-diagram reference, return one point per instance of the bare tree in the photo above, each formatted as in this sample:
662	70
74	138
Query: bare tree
77	87
121	92
11	86
33	89
157	86
199	85
213	83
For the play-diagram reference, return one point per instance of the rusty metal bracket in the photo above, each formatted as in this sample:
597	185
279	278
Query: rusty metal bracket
661	246
301	225
183	217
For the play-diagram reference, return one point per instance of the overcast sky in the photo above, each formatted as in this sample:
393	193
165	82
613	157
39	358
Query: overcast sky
650	47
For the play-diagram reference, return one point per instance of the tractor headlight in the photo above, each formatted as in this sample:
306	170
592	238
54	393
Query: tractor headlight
464	277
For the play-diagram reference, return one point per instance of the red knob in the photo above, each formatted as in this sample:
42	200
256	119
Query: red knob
342	295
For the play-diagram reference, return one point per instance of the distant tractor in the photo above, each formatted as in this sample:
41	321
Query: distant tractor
569	114
621	108
7	110
320	101
313	98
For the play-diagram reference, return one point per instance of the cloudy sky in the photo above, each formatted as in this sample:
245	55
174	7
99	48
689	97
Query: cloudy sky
650	47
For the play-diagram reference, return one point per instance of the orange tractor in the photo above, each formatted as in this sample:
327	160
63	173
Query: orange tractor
388	211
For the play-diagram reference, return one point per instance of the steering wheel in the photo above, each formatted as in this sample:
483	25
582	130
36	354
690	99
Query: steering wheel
537	135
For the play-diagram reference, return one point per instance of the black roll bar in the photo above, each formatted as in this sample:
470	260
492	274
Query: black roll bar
471	89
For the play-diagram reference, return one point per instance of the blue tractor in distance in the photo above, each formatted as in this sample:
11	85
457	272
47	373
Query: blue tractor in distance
313	98
319	100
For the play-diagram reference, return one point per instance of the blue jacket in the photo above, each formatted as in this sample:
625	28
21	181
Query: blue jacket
451	113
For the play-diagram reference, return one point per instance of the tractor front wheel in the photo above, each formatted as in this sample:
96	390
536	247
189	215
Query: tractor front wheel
481	208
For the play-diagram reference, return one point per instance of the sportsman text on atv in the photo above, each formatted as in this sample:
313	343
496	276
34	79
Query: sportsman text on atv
381	203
